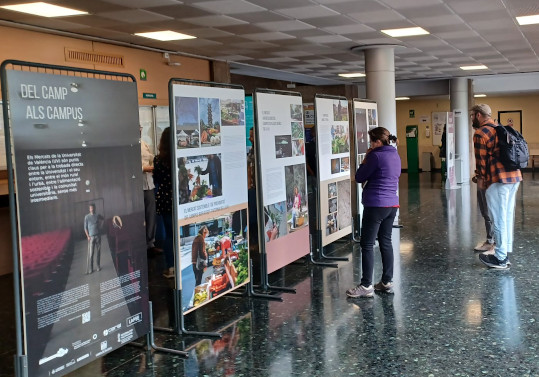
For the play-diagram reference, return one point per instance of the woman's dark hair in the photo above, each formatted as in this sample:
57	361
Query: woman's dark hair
382	134
164	146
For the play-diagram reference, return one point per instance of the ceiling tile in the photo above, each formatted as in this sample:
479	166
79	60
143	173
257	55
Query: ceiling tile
476	6
349	29
278	4
242	29
180	11
205	32
436	21
259	45
403	5
282	59
214	21
257	17
293	54
93	7
269	36
228	6
370	18
425	11
135	16
355	6
285	26
234	58
305	13
137	4
322	22
327	39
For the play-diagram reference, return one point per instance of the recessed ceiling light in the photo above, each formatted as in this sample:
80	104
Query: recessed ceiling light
473	67
528	20
401	98
405	32
350	75
44	9
165	35
479	95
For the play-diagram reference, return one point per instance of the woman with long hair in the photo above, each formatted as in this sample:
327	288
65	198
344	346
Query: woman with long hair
162	177
380	172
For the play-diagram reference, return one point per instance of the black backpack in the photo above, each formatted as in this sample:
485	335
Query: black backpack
514	152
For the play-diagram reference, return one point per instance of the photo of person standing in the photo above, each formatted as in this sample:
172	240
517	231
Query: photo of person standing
92	228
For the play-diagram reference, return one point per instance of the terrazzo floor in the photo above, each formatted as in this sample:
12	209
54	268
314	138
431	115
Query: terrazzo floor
449	315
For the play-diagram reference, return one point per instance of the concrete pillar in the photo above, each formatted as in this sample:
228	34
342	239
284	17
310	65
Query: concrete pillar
459	102
380	82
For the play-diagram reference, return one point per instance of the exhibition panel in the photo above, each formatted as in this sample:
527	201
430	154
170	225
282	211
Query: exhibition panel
211	195
365	119
444	124
80	212
333	151
283	211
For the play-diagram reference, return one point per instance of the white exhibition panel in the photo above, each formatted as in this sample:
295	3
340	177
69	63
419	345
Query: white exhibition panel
332	126
211	178
283	176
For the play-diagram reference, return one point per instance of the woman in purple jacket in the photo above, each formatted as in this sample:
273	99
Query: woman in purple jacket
380	172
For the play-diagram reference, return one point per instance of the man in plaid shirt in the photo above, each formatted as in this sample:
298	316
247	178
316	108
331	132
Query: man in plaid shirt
501	185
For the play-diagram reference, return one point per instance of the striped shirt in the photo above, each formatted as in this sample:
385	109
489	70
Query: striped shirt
487	165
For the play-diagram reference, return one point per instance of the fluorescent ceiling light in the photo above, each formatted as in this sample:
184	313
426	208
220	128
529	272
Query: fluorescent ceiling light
479	95
528	20
165	35
44	9
350	75
405	32
473	67
401	98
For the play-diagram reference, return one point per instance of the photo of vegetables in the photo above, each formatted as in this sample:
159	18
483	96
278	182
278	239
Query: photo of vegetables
232	112
296	197
296	112
187	127
275	221
199	177
339	139
226	253
340	110
283	146
210	121
362	137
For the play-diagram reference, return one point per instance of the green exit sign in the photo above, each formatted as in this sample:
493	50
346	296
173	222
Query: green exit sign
149	95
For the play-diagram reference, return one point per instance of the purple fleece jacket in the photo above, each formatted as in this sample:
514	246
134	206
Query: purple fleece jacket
381	170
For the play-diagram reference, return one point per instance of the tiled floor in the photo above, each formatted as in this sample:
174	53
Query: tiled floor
449	316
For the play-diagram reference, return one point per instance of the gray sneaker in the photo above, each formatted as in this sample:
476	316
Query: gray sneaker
381	287
360	291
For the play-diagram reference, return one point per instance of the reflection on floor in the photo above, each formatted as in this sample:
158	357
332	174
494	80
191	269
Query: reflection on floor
449	315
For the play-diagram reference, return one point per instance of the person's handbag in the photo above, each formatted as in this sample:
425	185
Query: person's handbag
201	263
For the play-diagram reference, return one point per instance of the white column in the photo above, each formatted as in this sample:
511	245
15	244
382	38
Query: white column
380	82
459	103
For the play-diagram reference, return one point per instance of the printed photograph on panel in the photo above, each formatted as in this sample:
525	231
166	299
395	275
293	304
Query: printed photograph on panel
340	110
339	139
210	121
199	177
371	115
232	112
219	247
275	221
332	190
344	207
283	146
332	205
296	197
345	164
187	127
331	224
298	147
335	165
297	130
362	137
296	112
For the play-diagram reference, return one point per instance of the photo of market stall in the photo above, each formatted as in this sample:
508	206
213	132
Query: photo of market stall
214	258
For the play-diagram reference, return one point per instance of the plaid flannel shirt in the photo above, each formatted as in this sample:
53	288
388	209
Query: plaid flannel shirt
487	165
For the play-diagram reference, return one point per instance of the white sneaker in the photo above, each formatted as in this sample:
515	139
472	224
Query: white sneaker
485	247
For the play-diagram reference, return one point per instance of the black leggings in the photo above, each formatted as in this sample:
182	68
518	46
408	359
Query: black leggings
377	221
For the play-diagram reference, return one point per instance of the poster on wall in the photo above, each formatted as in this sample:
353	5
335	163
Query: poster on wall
283	176
439	121
211	177
332	127
81	217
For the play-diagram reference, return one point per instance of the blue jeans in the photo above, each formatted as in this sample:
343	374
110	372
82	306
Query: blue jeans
501	207
168	244
377	221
